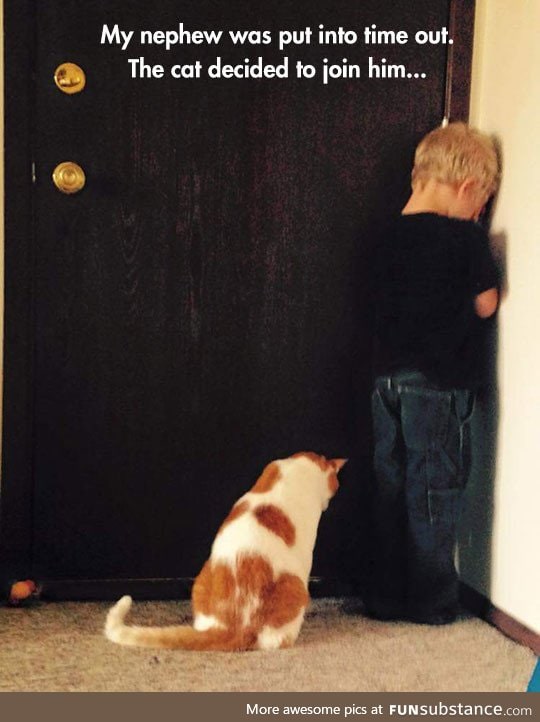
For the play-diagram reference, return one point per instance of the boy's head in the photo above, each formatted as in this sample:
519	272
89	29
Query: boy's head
462	159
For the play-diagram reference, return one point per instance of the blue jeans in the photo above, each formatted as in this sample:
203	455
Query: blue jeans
421	464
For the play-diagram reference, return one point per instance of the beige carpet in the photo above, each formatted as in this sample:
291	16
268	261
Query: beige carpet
59	647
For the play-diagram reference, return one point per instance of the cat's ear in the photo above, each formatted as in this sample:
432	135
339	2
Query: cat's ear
337	463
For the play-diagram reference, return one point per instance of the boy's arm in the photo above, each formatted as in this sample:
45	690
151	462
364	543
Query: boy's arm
485	275
485	304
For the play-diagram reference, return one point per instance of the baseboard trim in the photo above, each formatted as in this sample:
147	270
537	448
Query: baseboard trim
164	588
515	630
111	589
482	607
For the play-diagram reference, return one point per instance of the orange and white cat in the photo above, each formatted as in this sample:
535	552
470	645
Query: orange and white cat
252	592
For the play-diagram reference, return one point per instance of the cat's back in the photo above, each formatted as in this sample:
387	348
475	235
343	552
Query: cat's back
266	521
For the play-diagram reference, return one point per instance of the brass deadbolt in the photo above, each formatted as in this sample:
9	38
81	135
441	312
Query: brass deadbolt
69	177
69	78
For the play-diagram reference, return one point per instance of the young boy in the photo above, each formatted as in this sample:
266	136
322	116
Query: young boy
436	284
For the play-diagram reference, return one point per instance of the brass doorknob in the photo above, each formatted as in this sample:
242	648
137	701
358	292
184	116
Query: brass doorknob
69	177
69	78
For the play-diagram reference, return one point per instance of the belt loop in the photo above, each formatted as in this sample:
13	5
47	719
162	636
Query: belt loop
389	381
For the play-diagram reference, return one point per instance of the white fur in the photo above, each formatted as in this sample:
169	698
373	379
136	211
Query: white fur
202	622
302	496
114	625
250	607
272	638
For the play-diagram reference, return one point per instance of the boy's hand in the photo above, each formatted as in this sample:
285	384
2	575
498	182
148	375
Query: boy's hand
485	304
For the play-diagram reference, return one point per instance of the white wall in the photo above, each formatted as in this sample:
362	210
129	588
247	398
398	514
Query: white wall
505	101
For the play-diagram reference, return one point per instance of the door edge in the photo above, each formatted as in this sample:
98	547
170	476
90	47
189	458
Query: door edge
16	490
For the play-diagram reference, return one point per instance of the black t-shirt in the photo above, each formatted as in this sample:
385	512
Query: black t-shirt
428	270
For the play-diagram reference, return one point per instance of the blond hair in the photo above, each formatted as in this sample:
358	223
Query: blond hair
454	153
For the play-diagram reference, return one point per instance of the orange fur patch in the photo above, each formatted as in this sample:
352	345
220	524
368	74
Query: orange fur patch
280	600
236	511
249	599
287	599
202	589
212	590
254	576
271	474
277	522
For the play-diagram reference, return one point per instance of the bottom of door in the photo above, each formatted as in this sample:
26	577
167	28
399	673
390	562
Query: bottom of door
177	588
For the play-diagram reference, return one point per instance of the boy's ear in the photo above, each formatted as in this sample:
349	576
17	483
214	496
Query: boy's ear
469	185
465	187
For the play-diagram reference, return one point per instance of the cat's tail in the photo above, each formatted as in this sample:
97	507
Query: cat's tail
178	637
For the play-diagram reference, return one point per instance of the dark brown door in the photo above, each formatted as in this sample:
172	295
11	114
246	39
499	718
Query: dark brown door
201	306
